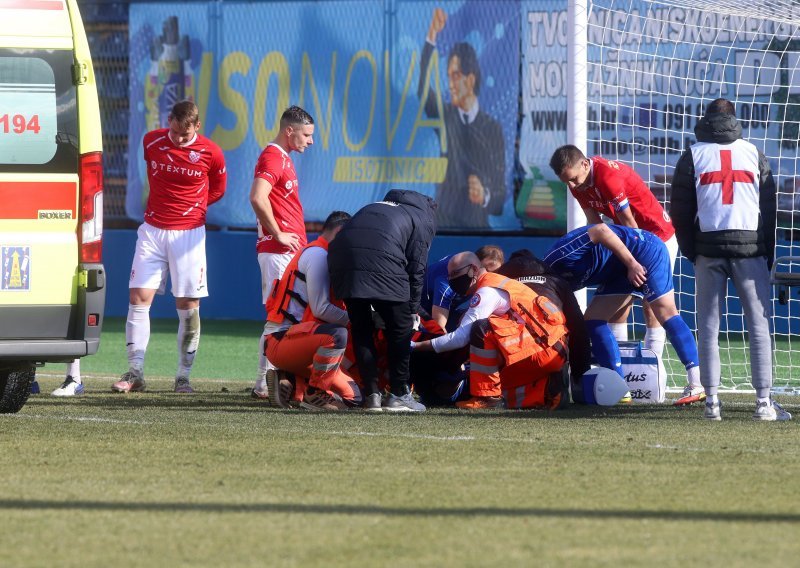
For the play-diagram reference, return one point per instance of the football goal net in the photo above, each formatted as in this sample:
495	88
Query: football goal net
650	68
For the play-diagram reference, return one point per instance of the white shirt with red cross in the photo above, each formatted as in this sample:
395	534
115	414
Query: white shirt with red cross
727	181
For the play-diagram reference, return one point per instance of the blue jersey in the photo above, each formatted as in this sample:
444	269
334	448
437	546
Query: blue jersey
584	263
436	289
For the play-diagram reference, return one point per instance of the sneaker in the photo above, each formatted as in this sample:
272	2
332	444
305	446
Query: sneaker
69	388
373	402
132	381
321	400
482	403
260	394
690	394
405	403
712	411
281	388
182	385
780	414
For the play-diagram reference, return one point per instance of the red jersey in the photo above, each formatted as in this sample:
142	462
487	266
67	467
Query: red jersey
613	186
184	180
275	166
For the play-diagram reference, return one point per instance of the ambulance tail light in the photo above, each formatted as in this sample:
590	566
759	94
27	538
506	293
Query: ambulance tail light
91	207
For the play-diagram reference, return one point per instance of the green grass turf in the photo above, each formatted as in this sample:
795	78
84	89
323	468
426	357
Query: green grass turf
228	350
217	479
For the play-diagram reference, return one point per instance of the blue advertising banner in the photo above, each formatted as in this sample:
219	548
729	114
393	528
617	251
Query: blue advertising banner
393	106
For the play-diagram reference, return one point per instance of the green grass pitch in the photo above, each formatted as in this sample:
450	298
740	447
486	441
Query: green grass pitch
218	479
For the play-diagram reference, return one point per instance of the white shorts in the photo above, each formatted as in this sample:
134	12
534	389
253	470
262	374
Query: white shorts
272	267
672	249
179	254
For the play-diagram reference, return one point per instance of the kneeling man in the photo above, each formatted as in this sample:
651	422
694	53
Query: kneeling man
516	338
307	332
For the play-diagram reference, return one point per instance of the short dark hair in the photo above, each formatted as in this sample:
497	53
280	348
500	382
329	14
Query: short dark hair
721	106
185	112
295	116
468	62
565	157
335	219
492	252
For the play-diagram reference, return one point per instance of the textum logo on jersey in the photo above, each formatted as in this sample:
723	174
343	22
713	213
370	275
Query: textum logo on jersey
159	167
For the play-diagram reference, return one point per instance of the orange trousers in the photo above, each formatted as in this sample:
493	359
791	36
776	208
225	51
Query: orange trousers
314	351
524	384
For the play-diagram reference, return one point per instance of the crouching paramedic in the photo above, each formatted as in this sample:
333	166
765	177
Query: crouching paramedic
306	330
517	340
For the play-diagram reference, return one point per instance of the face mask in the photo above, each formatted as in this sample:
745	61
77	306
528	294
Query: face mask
461	284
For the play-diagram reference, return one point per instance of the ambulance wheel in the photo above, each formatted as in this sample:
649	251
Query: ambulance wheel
15	386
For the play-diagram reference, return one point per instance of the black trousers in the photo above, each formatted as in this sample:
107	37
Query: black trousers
399	320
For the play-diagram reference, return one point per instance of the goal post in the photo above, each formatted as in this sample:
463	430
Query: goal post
651	67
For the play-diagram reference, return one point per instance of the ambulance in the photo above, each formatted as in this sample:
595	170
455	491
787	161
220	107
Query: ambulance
52	285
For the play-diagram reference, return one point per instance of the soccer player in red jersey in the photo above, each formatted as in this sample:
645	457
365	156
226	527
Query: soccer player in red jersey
615	190
186	173
275	197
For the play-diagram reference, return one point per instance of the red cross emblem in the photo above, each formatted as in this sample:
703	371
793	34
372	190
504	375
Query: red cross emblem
726	176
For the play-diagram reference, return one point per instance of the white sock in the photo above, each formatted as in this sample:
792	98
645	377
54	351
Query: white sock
763	400
188	339
137	335
712	398
620	330
693	375
654	339
263	364
74	370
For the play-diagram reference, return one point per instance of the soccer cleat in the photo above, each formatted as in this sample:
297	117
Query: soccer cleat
373	402
482	403
182	385
69	388
316	399
690	394
405	403
781	415
712	411
132	381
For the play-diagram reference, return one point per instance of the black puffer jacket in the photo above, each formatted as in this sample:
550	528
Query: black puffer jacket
381	253
721	129
524	266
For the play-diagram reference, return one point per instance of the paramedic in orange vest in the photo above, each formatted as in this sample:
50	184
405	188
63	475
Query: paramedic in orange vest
307	330
516	338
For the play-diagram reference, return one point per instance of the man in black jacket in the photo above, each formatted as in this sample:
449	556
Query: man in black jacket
378	262
723	210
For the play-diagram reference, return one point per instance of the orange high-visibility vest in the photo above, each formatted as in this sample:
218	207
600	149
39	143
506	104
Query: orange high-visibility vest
283	291
533	323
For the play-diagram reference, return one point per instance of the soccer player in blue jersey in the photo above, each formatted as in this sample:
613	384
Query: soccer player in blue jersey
622	261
